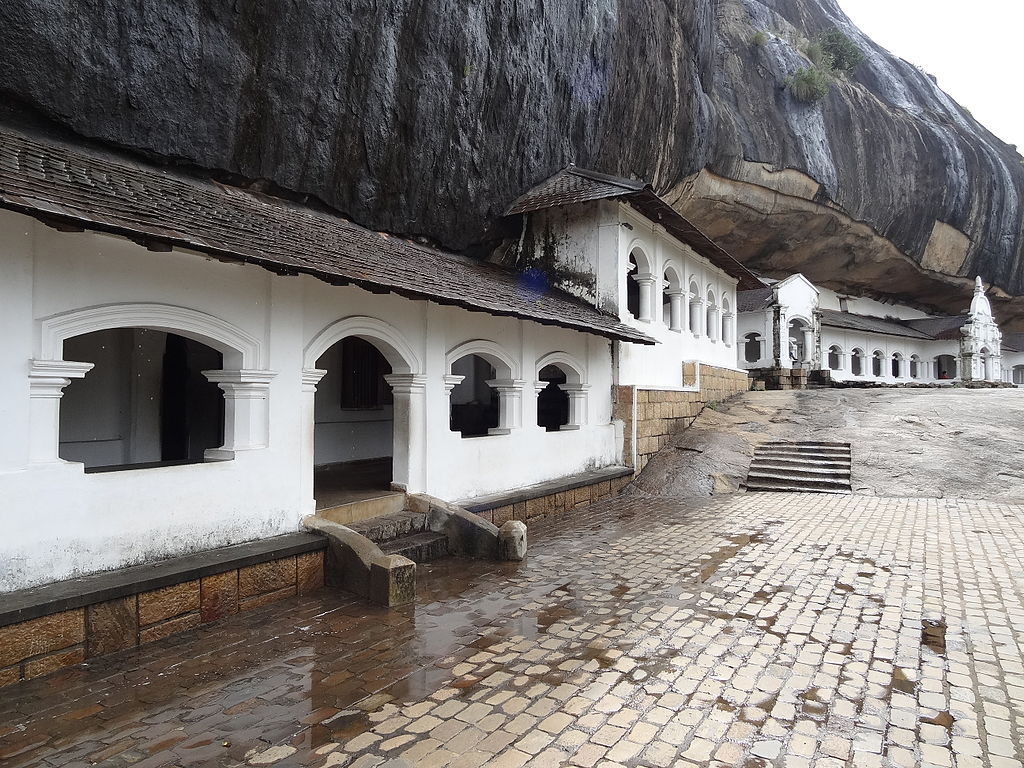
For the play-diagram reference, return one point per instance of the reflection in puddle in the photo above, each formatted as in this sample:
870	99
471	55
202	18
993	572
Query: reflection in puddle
933	635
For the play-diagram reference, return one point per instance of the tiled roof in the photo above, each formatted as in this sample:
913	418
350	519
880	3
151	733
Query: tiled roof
71	185
848	320
1013	342
940	327
576	185
749	301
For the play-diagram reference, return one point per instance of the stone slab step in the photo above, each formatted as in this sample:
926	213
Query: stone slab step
782	487
785	450
375	505
761	467
418	547
797	461
385	528
806	482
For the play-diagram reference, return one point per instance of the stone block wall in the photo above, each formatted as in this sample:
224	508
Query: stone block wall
660	414
42	645
552	503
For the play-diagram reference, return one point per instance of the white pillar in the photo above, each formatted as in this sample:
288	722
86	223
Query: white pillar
47	379
729	329
685	325
676	311
510	399
646	285
246	411
577	404
310	378
808	346
410	430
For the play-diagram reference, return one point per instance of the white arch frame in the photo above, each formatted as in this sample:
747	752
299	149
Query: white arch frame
575	371
644	264
241	350
389	341
712	315
839	354
505	365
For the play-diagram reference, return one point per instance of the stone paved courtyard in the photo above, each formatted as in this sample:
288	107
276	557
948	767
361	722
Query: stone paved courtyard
752	630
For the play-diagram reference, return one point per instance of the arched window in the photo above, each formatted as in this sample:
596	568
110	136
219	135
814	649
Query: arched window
695	310
1018	375
711	324
857	362
945	367
915	367
752	347
671	308
876	363
835	357
726	322
897	365
145	403
632	287
552	400
475	405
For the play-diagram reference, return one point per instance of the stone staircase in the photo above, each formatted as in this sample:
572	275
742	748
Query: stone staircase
404	533
801	467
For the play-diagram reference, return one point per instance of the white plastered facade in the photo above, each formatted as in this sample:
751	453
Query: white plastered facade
58	521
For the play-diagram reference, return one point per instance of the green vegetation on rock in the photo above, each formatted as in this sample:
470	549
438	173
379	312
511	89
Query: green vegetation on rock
809	85
843	51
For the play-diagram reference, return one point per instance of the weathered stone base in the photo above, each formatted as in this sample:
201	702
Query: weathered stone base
662	413
550	498
781	378
70	625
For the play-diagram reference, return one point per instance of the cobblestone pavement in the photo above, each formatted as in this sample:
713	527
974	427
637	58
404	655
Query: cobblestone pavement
754	630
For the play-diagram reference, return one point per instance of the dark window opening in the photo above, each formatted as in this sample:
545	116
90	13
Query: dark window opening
145	403
896	367
876	364
475	406
752	347
857	363
833	358
552	402
632	289
363	369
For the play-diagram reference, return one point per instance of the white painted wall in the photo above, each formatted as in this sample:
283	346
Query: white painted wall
101	521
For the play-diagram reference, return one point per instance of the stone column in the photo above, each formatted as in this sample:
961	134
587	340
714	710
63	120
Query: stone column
510	398
310	378
646	284
808	347
47	379
729	329
410	430
577	404
685	294
676	311
246	411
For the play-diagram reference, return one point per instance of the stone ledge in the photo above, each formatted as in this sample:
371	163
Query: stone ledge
48	599
493	501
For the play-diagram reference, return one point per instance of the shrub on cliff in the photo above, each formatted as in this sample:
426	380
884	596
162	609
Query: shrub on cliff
809	85
845	53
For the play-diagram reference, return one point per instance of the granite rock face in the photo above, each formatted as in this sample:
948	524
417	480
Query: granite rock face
427	117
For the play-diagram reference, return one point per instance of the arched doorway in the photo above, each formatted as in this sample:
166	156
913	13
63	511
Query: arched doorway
799	334
915	367
752	347
835	357
987	372
353	423
945	367
1018	375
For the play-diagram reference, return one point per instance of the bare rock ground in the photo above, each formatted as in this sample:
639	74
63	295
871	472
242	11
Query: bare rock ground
953	443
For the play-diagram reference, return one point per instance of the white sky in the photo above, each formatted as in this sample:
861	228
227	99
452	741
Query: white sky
974	47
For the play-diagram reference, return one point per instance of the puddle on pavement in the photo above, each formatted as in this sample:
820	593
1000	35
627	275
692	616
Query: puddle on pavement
619	591
725	553
902	683
943	719
348	723
811	704
933	635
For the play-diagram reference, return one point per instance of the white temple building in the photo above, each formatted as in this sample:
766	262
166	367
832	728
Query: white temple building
793	325
189	365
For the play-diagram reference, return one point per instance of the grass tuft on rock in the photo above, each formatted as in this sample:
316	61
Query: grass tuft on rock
809	85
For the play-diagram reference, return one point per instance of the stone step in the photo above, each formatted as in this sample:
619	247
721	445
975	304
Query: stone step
799	461
372	504
385	528
796	450
813	457
807	470
808	481
809	444
418	547
784	487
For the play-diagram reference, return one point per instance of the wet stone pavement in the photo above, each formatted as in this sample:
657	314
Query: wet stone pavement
752	630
